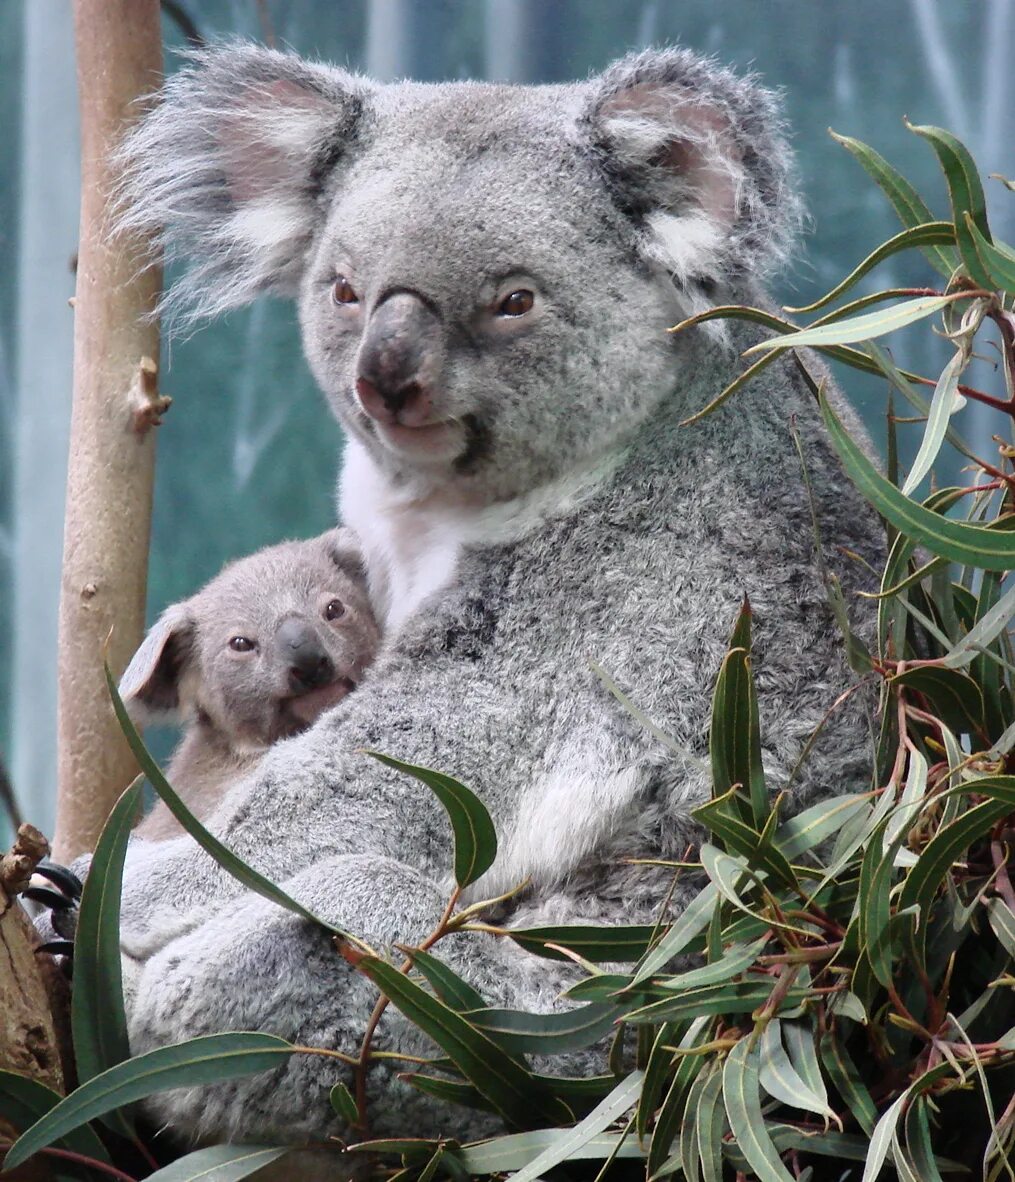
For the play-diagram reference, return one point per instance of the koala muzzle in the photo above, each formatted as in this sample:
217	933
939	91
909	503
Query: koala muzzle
308	664
400	361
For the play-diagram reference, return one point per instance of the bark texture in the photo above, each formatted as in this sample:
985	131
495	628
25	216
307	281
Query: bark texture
34	1034
112	447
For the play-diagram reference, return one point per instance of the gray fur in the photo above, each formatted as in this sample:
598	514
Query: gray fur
558	514
237	704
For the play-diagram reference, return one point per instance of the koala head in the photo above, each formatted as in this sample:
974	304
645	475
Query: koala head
262	650
485	273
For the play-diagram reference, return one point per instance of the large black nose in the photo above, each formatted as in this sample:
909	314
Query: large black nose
309	666
400	360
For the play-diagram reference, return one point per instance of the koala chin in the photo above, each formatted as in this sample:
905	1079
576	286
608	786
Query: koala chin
485	277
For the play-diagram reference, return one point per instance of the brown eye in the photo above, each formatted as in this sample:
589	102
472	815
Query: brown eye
242	644
334	609
517	303
342	291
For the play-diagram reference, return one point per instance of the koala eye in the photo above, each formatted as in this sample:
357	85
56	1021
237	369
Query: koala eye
517	303
342	291
242	644
334	609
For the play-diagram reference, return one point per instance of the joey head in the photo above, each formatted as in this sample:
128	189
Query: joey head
255	656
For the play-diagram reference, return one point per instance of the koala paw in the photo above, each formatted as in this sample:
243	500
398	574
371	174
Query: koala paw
57	924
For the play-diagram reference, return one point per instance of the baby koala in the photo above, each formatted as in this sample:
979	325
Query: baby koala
257	655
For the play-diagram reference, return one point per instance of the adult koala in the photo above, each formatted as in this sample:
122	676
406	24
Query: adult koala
485	277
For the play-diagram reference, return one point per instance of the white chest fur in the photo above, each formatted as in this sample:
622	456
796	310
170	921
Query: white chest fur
412	546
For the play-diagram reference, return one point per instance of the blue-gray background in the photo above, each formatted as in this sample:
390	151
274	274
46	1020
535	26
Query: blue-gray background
248	453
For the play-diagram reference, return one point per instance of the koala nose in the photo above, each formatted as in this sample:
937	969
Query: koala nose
308	664
400	361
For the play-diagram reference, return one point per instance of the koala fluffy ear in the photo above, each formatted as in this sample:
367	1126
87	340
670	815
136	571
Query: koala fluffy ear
696	156
150	687
228	169
344	550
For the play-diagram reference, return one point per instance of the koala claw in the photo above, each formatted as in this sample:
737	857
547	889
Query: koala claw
61	877
47	897
57	947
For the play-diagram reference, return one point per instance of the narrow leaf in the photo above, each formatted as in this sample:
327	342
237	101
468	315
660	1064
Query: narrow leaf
221	1163
449	987
545	1034
204	1060
475	836
591	942
515	1151
858	328
780	1078
740	1085
843	1073
945	401
343	1103
24	1101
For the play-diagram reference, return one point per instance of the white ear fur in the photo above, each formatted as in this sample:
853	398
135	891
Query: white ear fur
696	155
150	687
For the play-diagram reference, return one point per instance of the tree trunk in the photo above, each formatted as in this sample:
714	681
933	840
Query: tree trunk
112	447
34	1018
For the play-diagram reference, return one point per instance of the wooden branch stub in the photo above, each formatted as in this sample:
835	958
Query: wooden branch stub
146	403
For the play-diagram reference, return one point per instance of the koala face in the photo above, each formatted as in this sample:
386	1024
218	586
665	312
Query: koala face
485	273
264	648
463	323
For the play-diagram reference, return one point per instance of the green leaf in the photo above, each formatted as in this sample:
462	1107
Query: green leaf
98	1022
24	1101
927	234
687	1159
1002	920
918	1142
343	1103
589	941
843	1073
204	1060
571	1141
492	1070
798	1037
710	1125
755	848
221	1163
211	845
945	401
656	1069
740	1085
882	1137
907	202
780	1078
965	191
858	328
741	997
996	265
816	824
970	545
986	630
736	960
691	922
475	836
670	1115
448	986
522	1033
735	736
515	1151
954	696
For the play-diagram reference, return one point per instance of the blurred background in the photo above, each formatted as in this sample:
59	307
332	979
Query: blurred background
248	453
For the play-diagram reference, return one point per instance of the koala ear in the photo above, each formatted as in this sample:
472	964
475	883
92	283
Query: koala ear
696	156
344	549
228	169
150	688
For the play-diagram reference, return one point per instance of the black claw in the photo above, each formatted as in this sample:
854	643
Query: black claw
57	947
54	900
65	879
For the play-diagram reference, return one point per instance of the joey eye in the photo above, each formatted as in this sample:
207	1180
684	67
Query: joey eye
242	644
517	303
342	291
334	610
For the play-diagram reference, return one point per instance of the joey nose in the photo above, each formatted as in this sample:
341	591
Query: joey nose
308	665
400	361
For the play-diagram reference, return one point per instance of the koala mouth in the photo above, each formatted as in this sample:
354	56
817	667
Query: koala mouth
443	440
301	711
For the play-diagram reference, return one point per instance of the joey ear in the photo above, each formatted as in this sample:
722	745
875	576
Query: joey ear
345	551
227	170
150	687
696	155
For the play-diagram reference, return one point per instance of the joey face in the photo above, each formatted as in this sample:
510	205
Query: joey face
472	326
265	648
